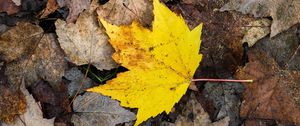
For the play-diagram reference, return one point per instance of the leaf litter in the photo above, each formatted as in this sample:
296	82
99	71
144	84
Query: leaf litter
33	115
283	12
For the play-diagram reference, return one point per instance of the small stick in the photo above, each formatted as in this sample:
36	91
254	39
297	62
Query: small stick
222	80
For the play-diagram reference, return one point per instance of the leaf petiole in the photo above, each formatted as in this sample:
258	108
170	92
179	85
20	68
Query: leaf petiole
222	80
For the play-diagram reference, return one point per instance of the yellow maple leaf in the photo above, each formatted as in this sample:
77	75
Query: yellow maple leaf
161	62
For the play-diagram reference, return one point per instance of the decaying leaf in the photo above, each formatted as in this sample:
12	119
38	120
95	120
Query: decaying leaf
12	99
33	115
256	30
85	42
44	60
123	12
95	109
200	117
19	40
285	13
274	93
161	62
9	6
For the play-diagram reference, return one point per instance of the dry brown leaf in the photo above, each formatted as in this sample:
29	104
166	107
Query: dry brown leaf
256	30
285	13
19	40
200	117
75	8
33	115
50	8
42	59
274	93
11	99
123	12
85	42
9	6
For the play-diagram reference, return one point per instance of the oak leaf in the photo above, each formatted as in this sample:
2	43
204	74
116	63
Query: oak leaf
161	62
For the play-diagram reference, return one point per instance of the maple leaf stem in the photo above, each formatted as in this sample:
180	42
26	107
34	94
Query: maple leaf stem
223	80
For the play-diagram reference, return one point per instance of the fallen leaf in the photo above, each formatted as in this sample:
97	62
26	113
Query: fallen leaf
77	79
9	6
283	12
94	109
256	30
274	93
75	8
33	115
85	42
199	116
17	2
123	12
52	101
19	40
282	48
226	100
161	62
50	8
41	57
11	99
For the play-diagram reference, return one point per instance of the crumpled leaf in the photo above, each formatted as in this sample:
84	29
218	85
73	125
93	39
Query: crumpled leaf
161	62
85	42
123	12
41	59
33	115
200	117
285	13
95	109
274	93
9	6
